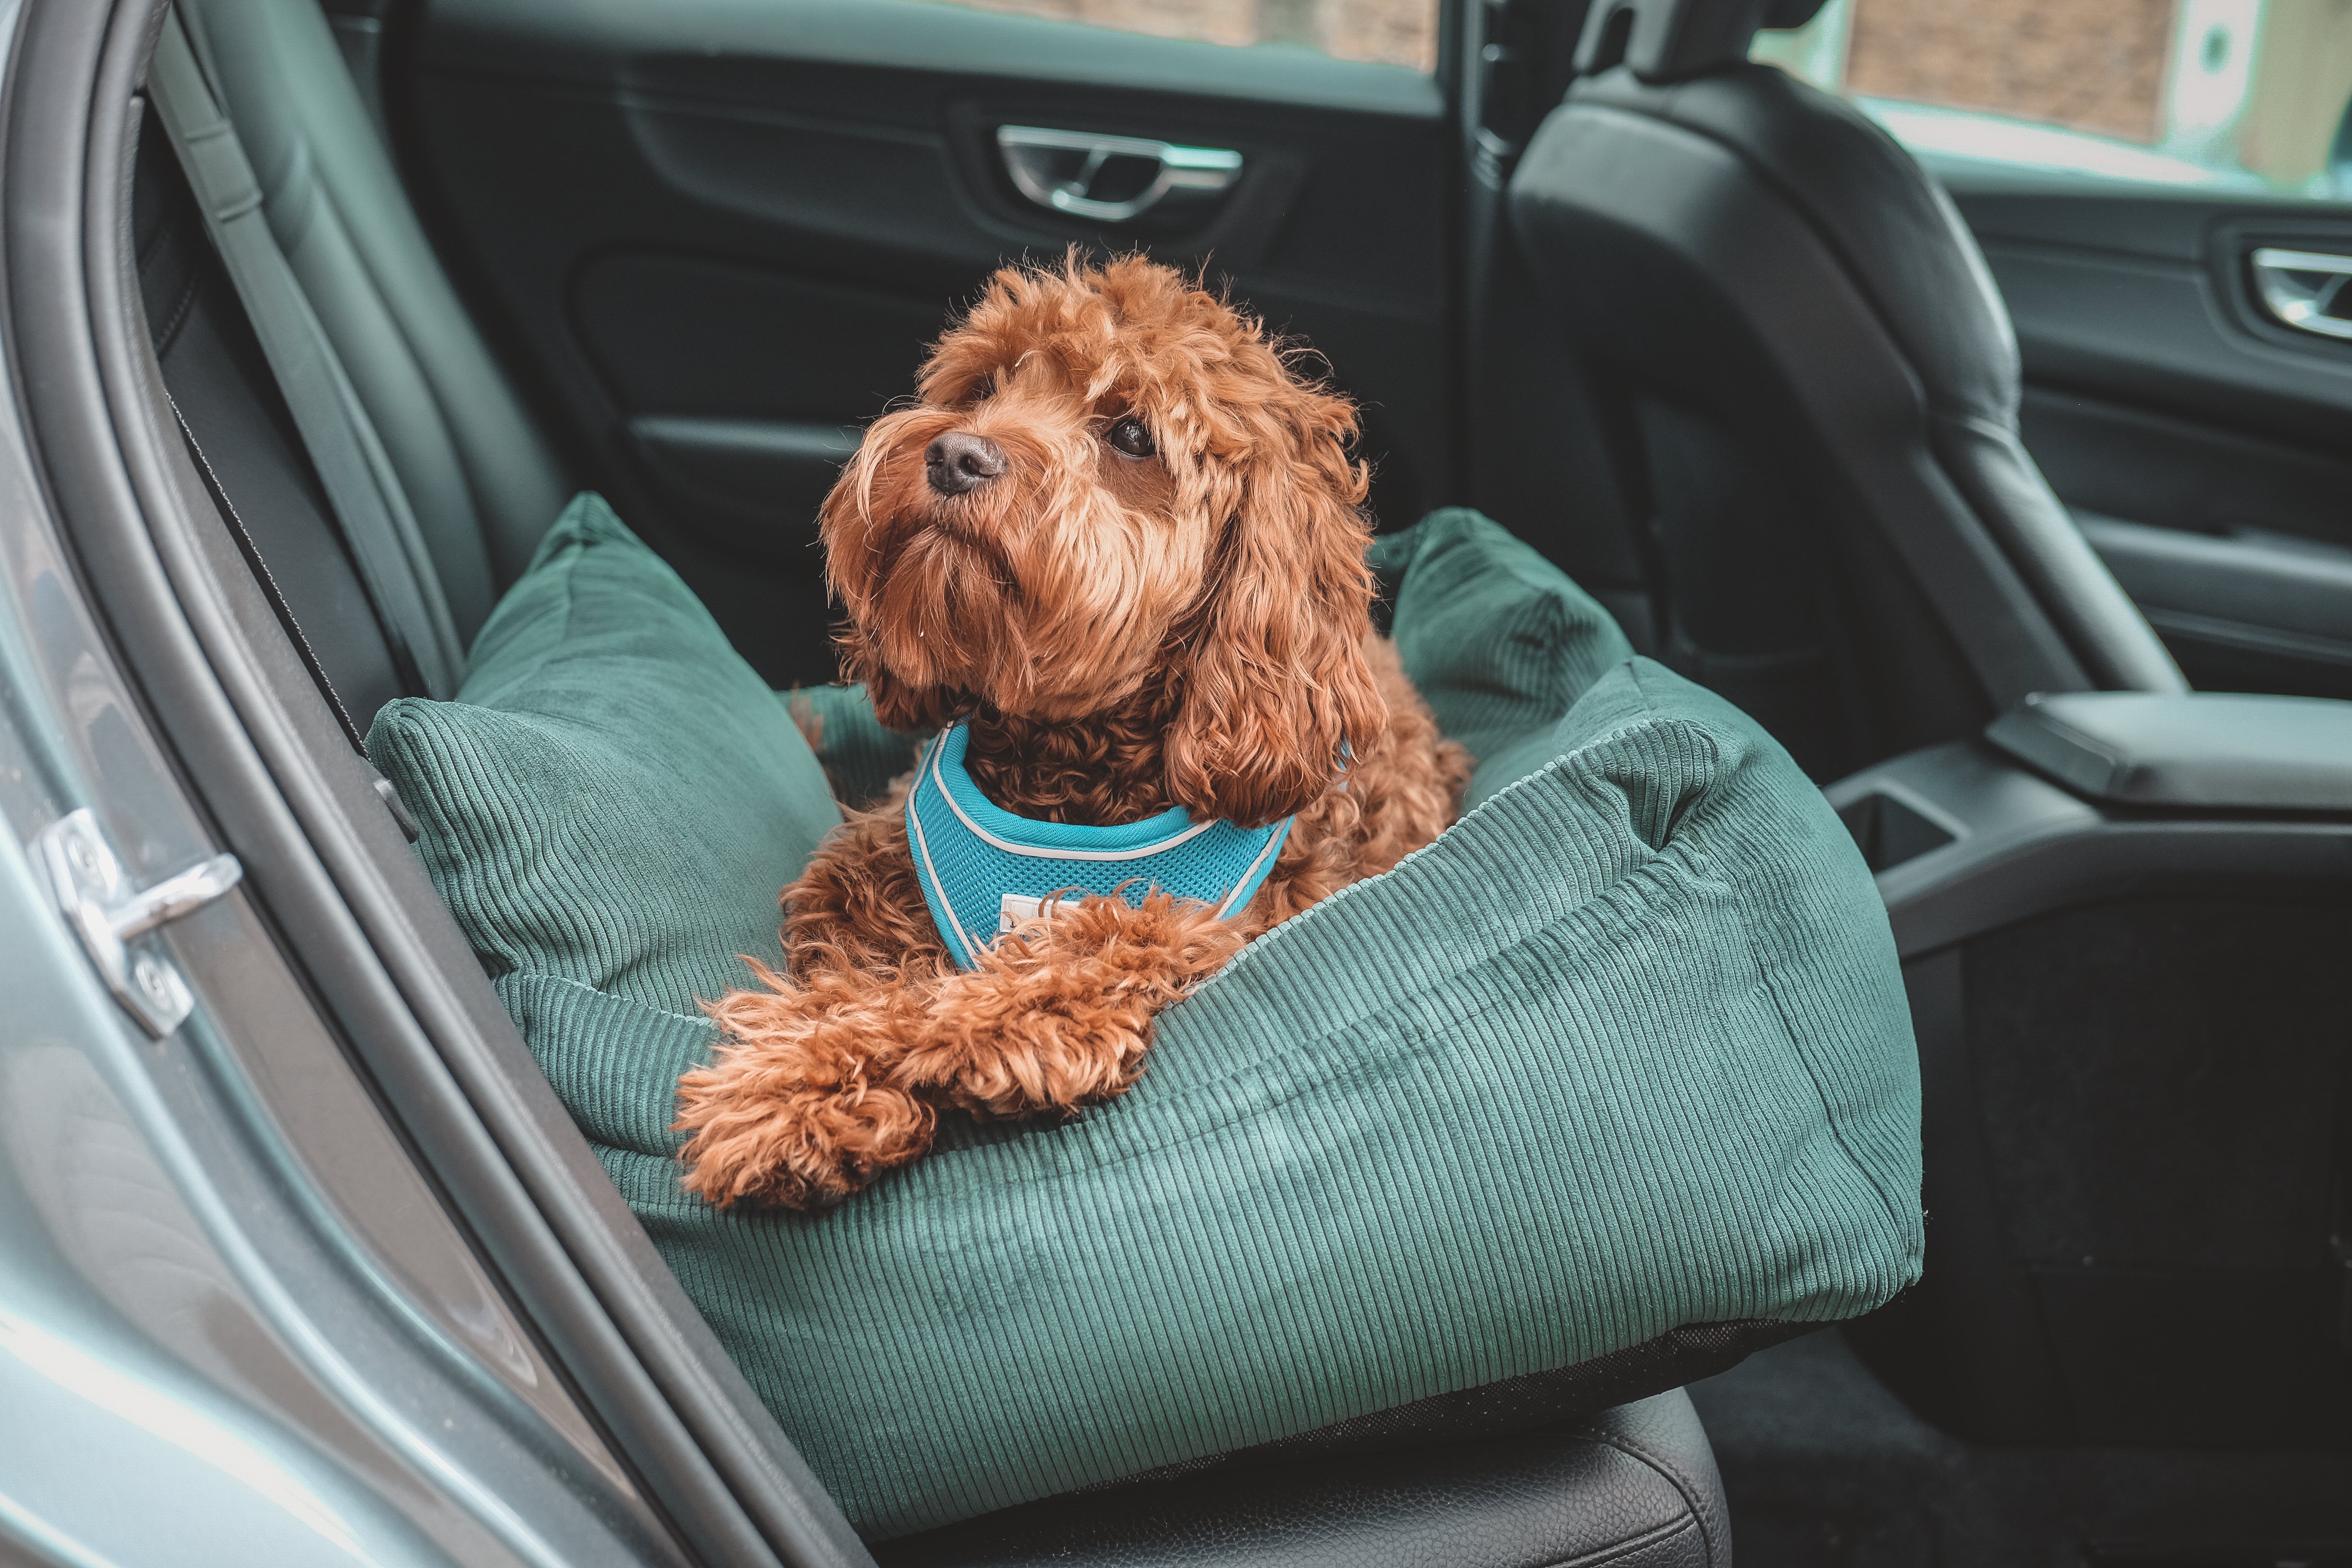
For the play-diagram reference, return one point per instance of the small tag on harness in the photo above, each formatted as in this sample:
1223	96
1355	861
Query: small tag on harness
1017	909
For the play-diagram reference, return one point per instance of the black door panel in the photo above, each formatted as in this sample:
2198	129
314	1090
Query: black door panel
739	475
2207	447
724	233
730	46
689	335
742	387
2172	335
2173	471
2238	548
2245	611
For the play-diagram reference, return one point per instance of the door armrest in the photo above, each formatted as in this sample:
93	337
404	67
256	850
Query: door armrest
2204	750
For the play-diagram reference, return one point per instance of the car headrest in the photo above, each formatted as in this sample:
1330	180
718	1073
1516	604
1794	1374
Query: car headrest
1670	40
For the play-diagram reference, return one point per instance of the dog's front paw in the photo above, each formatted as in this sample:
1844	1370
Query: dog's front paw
789	1112
1058	1015
798	1145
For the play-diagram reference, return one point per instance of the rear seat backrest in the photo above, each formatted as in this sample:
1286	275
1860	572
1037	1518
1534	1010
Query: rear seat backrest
213	369
480	477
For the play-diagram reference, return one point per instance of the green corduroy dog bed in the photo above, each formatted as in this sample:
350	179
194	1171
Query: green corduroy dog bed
1626	1051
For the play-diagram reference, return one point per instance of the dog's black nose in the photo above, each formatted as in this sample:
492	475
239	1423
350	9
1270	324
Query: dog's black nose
957	462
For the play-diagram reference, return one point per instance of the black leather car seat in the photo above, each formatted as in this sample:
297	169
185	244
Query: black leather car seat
1813	388
1635	1487
1522	1474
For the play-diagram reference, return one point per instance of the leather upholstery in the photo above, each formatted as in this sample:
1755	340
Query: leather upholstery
1531	1402
1736	251
1634	1487
2207	751
480	477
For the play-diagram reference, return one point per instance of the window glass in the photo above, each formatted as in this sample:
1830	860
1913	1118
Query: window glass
2252	95
1389	32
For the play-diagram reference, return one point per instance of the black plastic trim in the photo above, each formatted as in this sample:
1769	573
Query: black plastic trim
2023	846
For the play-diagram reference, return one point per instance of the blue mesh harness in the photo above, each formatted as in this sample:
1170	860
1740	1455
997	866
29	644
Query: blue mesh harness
985	871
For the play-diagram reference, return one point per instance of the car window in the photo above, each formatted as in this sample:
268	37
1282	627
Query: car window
1387	32
2250	95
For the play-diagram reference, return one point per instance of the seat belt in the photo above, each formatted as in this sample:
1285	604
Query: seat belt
363	491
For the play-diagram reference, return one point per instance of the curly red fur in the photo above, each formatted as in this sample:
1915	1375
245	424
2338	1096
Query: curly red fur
1125	634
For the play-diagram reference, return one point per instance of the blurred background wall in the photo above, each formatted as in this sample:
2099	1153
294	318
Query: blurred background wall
1393	32
2261	86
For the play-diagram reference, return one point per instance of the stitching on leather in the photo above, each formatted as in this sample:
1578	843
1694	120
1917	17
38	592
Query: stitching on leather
1976	424
1684	1485
179	318
1621	1549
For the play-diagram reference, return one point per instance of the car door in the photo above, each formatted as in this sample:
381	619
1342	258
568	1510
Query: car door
2164	192
720	232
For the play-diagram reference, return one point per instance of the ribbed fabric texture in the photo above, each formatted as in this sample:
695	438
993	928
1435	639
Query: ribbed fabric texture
614	801
1497	639
1626	1049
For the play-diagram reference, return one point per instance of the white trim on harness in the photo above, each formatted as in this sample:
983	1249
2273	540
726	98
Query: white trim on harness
1159	848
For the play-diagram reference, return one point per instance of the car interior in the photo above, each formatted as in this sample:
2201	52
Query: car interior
1979	486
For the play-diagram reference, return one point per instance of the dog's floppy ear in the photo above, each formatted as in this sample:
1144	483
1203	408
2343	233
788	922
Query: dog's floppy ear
846	524
1273	680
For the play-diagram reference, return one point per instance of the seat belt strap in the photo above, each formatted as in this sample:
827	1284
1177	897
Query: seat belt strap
363	491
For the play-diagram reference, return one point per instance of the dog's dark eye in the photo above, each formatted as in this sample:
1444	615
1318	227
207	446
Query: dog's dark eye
1129	436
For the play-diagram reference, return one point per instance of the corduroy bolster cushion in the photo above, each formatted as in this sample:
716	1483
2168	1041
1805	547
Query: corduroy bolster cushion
1626	1051
611	805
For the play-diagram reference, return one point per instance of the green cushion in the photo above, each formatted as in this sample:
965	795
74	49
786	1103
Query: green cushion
1627	1049
610	806
1498	640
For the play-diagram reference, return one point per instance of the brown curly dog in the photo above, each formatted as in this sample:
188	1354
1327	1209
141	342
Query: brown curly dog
1121	537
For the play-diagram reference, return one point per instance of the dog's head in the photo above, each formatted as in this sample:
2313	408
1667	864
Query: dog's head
1114	479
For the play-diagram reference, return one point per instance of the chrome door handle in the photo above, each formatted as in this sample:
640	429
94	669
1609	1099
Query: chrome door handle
2310	290
1111	179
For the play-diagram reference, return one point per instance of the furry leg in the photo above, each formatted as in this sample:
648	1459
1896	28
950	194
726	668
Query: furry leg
1059	1014
796	1107
822	1085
